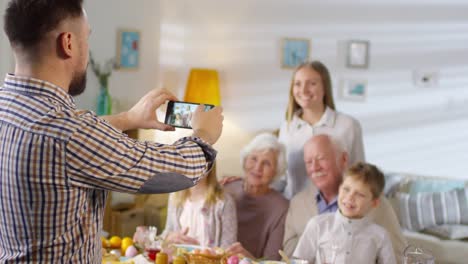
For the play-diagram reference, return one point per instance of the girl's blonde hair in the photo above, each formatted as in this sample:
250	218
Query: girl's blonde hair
322	70
214	193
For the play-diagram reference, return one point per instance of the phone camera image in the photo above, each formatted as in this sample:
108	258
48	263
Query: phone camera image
179	114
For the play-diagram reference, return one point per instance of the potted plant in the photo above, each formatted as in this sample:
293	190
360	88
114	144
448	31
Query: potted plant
104	102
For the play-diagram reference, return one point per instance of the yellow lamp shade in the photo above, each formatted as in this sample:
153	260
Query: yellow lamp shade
203	87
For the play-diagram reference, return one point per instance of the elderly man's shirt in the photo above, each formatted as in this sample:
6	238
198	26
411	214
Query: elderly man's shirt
323	206
353	240
57	164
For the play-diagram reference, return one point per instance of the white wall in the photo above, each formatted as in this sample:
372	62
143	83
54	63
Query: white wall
6	57
3	51
105	18
403	124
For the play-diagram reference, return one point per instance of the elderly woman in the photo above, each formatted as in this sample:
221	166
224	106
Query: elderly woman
261	211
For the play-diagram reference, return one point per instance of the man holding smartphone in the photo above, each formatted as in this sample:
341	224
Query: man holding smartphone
179	114
57	163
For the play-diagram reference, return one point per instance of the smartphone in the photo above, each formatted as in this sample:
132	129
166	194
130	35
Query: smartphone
179	114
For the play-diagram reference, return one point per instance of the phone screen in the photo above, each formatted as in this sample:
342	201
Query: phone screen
179	114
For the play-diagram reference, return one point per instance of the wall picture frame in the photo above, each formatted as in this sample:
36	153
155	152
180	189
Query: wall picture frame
294	51
353	90
128	49
358	54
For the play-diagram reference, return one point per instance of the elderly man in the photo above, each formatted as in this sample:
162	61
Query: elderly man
325	163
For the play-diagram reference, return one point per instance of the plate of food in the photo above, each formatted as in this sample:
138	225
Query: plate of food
188	247
196	249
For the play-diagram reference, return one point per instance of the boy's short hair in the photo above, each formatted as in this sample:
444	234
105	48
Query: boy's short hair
370	175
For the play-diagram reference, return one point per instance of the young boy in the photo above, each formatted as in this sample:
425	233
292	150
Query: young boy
348	234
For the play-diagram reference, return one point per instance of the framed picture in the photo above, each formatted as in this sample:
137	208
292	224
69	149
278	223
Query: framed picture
128	49
353	90
294	52
358	54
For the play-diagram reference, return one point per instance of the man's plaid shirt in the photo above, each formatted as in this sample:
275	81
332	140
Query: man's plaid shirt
57	164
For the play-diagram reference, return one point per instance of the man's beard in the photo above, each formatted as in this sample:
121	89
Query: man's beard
77	84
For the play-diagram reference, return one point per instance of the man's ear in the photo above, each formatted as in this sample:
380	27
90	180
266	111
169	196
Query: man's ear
344	160
64	44
375	202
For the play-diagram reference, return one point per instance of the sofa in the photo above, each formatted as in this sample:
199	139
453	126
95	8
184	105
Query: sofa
433	214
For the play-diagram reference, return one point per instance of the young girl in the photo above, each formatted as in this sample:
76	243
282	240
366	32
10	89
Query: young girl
311	111
202	215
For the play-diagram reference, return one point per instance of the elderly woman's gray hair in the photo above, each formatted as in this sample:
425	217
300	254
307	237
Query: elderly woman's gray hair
265	142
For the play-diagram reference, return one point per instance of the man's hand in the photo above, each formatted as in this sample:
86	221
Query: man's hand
208	125
237	248
180	237
143	113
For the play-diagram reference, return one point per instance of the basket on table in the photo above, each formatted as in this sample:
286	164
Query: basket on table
205	259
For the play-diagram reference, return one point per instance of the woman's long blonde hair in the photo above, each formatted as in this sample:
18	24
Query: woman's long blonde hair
322	70
214	193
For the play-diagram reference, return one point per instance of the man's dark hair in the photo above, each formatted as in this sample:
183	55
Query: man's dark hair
27	21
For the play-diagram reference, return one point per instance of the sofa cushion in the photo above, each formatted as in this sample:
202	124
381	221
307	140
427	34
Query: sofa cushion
426	185
448	231
423	210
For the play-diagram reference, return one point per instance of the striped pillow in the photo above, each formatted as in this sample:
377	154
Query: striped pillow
422	210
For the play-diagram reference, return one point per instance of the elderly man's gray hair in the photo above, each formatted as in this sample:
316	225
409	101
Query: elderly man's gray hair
336	143
338	146
265	142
